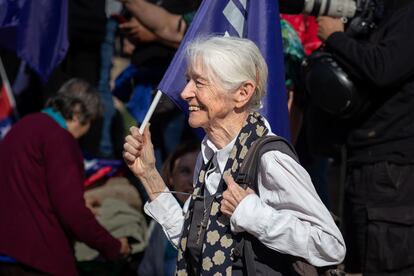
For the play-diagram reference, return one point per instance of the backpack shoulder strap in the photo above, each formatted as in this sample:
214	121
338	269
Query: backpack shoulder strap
247	178
248	169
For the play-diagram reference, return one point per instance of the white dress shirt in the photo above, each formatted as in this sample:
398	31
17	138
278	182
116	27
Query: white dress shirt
288	217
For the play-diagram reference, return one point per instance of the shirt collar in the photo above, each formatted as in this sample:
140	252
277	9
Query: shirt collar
220	156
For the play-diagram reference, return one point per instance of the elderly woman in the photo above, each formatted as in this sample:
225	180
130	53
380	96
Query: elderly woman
226	81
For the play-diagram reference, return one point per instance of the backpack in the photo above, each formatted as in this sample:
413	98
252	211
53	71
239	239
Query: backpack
247	177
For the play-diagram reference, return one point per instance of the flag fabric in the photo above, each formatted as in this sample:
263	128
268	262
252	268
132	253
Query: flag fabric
257	20
6	112
7	104
99	169
37	31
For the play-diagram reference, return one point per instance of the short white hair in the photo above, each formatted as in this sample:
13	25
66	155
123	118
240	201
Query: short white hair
230	61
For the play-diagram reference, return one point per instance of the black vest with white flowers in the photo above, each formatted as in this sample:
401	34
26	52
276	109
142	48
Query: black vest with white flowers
217	242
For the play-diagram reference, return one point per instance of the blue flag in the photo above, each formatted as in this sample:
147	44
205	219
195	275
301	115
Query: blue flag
257	20
37	31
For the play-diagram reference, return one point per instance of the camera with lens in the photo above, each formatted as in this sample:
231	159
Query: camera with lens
360	16
328	85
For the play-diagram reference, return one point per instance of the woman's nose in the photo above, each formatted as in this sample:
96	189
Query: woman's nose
188	91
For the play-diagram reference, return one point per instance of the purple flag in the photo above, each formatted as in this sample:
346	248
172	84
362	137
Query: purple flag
257	20
36	31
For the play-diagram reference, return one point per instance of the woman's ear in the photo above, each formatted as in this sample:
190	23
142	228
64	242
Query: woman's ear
244	93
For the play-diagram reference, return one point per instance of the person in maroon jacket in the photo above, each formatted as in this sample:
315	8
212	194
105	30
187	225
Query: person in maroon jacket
42	209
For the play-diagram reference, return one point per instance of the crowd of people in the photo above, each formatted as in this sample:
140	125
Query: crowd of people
175	206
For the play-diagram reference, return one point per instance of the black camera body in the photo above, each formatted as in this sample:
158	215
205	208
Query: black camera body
368	13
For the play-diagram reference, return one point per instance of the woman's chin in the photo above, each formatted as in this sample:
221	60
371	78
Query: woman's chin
194	122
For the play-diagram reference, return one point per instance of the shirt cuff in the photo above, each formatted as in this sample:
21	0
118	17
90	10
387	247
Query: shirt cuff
163	208
335	39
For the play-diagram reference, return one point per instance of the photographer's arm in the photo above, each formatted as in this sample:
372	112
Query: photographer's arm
328	25
164	24
385	62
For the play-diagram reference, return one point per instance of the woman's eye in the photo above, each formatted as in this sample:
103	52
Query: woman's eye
199	83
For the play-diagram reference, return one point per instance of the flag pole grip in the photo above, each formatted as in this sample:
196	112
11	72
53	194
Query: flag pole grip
150	111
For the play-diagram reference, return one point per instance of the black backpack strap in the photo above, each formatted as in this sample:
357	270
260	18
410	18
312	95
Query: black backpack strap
247	177
248	170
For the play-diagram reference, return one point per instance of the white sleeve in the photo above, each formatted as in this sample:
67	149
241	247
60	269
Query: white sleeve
166	211
289	216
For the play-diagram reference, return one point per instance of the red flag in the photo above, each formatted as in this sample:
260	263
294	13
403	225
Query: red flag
6	107
7	104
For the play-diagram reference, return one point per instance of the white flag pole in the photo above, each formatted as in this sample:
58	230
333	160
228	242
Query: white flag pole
6	83
150	111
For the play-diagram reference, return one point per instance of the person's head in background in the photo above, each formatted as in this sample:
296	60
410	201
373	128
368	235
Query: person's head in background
178	169
79	104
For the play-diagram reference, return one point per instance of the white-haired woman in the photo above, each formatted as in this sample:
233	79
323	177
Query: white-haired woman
226	81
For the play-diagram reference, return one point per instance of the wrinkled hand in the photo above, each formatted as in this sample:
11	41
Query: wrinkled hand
125	250
139	152
135	32
232	196
328	25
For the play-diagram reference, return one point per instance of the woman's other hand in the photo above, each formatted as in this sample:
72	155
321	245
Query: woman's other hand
232	196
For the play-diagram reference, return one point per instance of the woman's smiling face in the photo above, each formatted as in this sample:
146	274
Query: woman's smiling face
208	104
